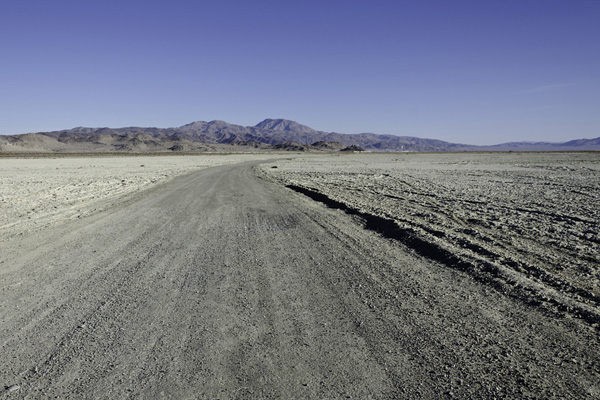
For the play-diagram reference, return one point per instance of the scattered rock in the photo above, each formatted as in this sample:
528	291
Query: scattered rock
352	148
13	388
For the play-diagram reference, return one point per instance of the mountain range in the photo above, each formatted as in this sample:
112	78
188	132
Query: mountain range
275	134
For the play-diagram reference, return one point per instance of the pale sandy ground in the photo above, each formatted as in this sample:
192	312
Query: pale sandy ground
224	284
39	192
526	221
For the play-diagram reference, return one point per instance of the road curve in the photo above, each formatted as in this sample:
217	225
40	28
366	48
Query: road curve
222	285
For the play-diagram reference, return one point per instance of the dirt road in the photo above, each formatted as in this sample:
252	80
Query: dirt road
221	285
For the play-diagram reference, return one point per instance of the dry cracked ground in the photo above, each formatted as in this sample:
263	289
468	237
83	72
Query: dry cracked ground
376	276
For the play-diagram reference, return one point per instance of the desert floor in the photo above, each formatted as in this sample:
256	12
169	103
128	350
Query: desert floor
301	276
527	222
43	191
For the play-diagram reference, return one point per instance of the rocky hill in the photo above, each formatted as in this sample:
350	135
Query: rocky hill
278	134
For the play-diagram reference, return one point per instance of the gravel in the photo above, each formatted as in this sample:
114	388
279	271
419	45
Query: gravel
528	223
224	284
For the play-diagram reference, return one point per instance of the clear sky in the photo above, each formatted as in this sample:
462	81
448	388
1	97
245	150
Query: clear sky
469	71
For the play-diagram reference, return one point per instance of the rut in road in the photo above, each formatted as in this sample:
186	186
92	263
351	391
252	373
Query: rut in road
222	285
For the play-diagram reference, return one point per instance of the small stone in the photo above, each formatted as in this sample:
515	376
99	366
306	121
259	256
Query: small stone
13	388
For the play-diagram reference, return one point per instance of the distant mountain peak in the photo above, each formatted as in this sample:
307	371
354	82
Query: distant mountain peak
194	125
219	122
280	124
282	134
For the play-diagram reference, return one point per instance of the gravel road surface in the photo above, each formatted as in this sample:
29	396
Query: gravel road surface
222	285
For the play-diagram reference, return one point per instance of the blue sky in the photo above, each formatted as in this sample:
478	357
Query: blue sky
479	72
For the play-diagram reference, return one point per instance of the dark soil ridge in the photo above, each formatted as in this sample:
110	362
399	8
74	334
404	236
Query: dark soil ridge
531	271
498	277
